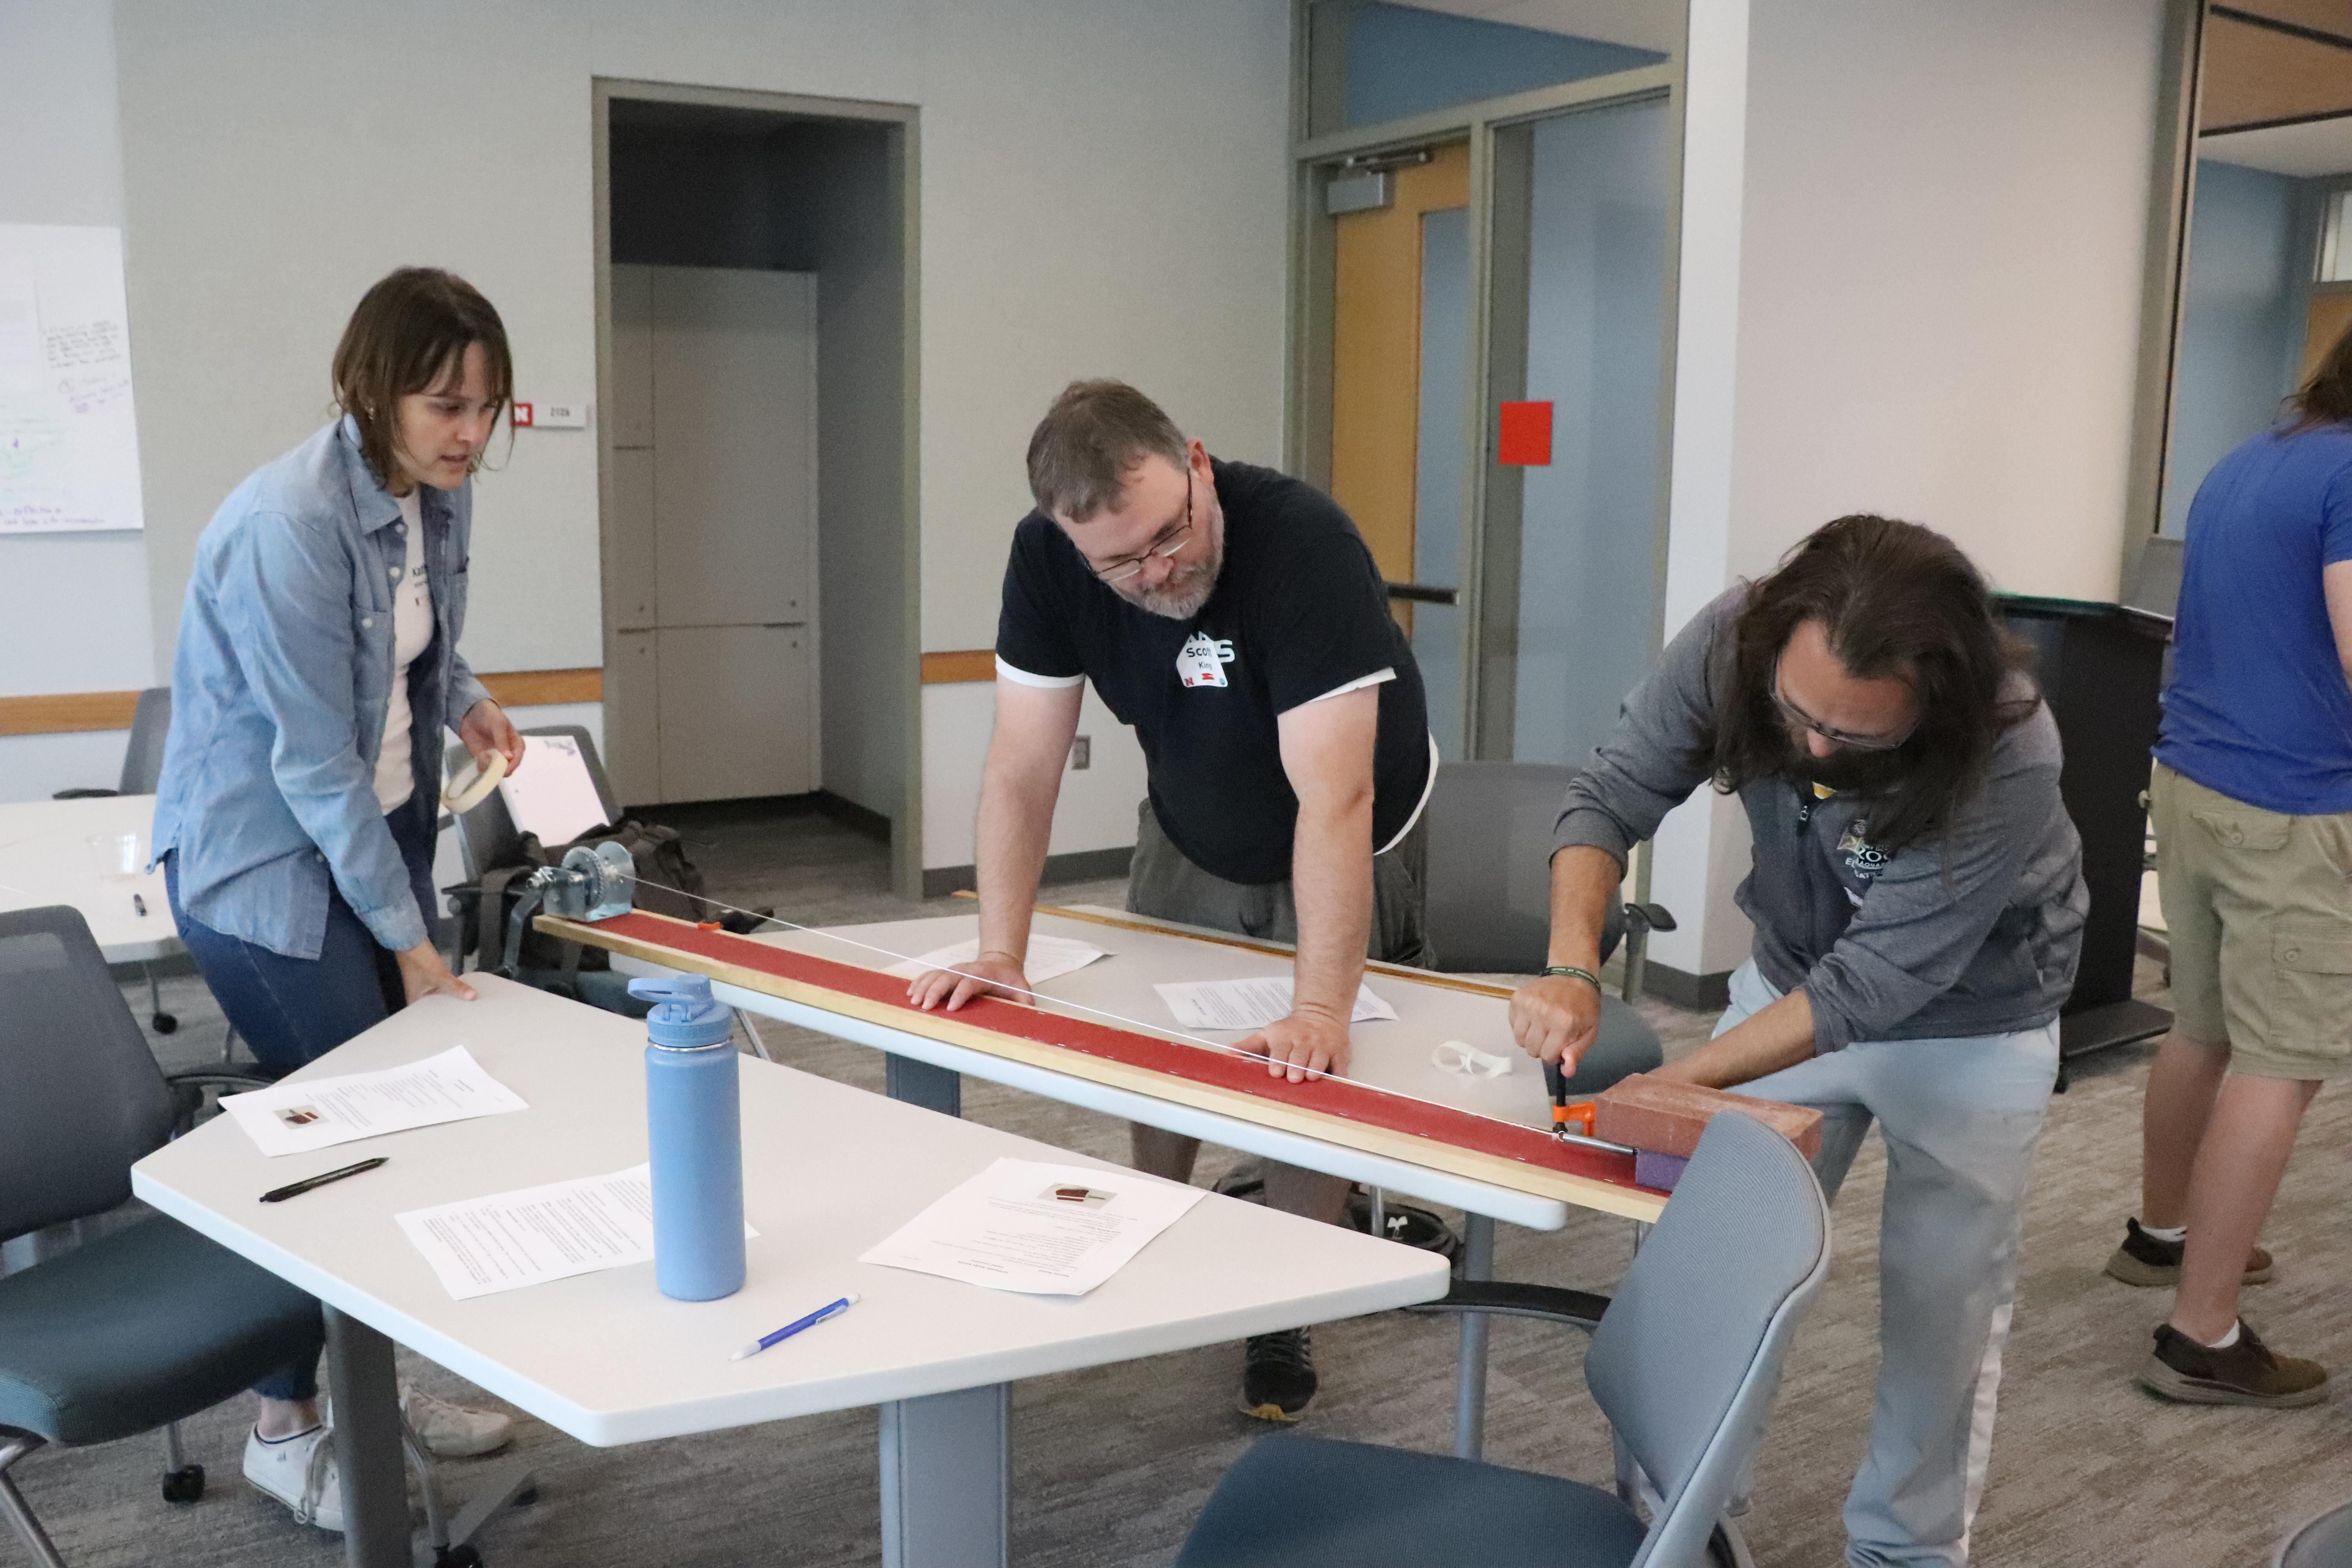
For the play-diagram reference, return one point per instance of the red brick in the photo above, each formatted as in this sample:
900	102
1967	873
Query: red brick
1667	1118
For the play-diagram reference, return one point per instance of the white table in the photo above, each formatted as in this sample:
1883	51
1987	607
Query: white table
1387	1055
828	1170
46	858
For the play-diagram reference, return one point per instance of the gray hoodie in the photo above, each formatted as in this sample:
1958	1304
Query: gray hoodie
1971	930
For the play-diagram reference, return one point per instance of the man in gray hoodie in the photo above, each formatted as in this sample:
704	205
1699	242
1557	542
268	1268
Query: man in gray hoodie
1917	902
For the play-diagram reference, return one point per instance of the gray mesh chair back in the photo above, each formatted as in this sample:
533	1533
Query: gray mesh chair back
2325	1542
71	1121
487	836
150	726
1688	1357
1490	896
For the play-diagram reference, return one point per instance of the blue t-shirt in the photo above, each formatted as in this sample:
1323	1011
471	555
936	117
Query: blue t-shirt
2257	707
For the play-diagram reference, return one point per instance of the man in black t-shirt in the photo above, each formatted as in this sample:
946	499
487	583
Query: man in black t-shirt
1234	618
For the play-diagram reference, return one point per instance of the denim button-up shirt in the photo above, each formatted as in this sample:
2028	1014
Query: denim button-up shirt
279	690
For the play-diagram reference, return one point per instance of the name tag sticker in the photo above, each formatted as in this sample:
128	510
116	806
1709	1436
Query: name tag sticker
1202	660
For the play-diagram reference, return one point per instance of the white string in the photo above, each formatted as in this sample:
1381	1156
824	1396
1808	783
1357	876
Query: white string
1155	1029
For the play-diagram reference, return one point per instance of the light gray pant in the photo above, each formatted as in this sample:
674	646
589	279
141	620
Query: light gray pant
1960	1118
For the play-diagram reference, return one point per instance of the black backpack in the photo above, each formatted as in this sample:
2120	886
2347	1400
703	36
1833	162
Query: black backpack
669	884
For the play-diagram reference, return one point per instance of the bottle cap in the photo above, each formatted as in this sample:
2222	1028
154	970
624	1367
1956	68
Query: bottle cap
684	1017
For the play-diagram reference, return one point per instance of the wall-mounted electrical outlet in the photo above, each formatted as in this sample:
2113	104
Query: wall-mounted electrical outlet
1082	752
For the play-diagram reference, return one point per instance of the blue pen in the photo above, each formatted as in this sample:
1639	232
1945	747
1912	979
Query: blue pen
788	1330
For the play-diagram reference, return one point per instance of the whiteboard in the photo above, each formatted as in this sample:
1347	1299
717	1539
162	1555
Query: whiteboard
69	441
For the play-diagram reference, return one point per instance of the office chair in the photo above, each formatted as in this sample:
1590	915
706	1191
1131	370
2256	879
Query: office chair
142	768
149	1324
1683	1363
1490	899
488	838
2324	1543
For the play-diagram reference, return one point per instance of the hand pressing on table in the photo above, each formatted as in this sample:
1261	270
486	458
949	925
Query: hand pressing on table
990	974
1309	1041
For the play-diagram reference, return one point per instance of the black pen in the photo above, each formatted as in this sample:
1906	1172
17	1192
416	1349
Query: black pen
139	904
296	1189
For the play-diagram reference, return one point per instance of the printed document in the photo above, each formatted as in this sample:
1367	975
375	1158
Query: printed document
1250	1004
482	1246
320	1113
1045	1230
1050	958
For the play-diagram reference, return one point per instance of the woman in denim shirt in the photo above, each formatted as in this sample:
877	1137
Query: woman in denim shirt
317	667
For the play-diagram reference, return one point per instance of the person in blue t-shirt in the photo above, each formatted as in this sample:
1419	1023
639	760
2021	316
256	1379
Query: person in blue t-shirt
2252	807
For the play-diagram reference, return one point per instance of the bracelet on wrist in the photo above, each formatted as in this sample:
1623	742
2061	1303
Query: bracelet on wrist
1572	973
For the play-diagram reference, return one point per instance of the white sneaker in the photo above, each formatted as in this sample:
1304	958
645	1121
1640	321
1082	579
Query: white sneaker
453	1431
298	1472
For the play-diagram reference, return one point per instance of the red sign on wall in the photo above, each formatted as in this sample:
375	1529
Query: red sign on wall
1523	434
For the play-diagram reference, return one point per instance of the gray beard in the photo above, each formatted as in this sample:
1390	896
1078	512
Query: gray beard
1180	598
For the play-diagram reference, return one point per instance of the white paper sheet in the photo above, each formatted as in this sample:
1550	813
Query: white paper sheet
552	794
1250	1004
1050	958
482	1246
319	1113
1044	1230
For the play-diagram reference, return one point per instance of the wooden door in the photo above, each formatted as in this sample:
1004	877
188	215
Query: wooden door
1376	355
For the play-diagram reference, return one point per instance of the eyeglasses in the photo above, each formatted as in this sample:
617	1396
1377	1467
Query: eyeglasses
1804	721
1167	544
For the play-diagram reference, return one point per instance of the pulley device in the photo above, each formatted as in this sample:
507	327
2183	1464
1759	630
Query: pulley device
592	884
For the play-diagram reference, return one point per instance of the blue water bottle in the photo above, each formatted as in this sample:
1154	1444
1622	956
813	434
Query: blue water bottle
694	1125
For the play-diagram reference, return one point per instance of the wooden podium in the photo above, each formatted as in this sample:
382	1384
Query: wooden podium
2101	666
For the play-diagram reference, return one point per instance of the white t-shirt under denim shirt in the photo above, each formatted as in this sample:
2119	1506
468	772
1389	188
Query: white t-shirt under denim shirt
412	634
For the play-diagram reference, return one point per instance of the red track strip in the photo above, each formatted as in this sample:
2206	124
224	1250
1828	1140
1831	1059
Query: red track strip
1333	1097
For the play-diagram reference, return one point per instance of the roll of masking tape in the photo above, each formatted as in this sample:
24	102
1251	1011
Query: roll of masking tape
474	784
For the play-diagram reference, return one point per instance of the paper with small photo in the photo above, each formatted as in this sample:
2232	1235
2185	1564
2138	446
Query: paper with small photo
319	1113
1040	1229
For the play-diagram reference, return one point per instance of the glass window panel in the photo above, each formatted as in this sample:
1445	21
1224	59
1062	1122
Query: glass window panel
1442	459
1375	62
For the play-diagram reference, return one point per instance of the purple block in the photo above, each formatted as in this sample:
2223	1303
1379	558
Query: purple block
1658	1170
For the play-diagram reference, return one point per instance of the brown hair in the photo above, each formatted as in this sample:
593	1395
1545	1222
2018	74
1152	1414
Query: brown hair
2327	398
1083	448
1898	602
409	333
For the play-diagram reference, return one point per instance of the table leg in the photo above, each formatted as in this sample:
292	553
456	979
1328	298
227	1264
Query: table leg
366	1387
1470	1375
946	1460
920	1083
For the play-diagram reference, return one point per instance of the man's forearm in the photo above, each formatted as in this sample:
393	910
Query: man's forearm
1776	1037
1016	822
1583	881
1331	883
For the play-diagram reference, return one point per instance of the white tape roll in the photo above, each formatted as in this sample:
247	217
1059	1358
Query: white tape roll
1461	1057
474	784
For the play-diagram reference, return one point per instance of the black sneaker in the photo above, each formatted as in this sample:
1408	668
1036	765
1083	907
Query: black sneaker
2150	1260
1278	1376
2247	1372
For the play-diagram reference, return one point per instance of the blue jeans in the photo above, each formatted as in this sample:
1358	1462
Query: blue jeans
1960	1118
291	1011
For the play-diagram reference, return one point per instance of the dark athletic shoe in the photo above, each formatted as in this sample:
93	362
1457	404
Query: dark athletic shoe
1278	1376
2247	1372
2148	1260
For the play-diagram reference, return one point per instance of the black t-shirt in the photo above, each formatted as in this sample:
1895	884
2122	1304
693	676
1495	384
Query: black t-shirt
1299	610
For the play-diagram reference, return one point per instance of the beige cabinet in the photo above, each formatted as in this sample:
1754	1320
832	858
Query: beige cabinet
710	539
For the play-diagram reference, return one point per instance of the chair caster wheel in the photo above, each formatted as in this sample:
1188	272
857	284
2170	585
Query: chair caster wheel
186	1484
458	1557
525	1498
165	1023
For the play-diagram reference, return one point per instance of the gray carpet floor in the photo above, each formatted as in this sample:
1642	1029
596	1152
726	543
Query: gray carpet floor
1111	1465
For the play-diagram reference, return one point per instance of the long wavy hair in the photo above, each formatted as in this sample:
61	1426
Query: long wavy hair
2327	398
1898	602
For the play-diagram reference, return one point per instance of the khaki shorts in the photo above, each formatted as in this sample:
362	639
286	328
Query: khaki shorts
2260	906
